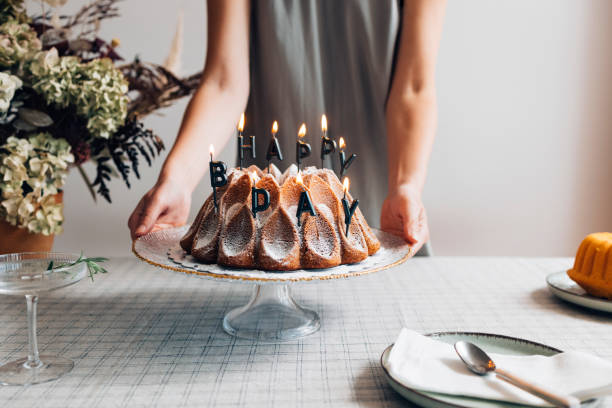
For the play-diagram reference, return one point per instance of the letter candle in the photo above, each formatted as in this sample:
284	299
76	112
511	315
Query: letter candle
344	163
256	193
274	148
302	149
241	146
328	145
305	203
348	210
217	175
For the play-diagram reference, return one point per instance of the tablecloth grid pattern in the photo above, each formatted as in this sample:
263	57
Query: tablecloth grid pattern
141	336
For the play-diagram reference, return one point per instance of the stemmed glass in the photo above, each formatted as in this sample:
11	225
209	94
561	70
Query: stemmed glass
29	273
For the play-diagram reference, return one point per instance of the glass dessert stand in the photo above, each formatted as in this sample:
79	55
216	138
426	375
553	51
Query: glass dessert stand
28	274
271	314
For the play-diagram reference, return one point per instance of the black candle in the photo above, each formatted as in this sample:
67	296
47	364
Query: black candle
328	145
305	203
256	193
344	162
250	147
218	178
274	149
302	149
348	210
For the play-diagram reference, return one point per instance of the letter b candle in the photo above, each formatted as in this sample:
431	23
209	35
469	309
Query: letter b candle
217	175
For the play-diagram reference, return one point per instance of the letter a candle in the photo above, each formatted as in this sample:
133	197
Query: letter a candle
305	203
274	148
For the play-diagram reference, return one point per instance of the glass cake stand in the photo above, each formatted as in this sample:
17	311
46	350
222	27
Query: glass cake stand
271	314
30	273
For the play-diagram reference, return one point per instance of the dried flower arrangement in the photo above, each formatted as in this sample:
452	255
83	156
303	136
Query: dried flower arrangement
65	100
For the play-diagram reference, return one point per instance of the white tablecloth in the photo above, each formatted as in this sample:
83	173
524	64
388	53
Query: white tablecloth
144	337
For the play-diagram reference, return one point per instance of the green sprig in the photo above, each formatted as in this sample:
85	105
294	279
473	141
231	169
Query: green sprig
92	265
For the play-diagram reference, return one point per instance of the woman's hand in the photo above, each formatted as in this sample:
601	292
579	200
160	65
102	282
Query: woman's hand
403	214
166	205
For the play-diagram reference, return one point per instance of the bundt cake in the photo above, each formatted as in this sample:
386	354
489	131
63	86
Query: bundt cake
593	265
272	239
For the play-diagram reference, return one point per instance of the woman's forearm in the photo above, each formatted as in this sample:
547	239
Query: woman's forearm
411	107
222	95
209	119
411	127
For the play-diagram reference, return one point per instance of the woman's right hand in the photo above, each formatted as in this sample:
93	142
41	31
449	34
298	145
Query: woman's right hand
166	205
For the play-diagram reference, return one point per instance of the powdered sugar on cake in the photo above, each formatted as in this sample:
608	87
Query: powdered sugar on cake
272	239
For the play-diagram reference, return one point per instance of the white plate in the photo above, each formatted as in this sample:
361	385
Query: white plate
491	343
161	248
562	286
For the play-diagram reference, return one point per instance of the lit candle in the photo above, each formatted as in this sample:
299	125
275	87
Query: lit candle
217	175
241	146
274	148
344	163
302	149
256	193
348	210
328	145
305	203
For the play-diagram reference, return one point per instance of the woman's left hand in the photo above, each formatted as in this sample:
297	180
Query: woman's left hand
403	214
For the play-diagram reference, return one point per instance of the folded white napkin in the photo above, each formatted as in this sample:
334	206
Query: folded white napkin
426	364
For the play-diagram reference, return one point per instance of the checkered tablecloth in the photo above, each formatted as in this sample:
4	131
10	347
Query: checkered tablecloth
145	337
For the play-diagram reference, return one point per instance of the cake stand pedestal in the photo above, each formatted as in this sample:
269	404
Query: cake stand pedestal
271	314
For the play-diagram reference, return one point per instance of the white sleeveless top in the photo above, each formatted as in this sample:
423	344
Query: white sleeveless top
310	57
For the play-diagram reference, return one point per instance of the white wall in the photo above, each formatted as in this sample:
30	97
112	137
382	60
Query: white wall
521	165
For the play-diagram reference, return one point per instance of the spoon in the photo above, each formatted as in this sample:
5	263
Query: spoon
480	363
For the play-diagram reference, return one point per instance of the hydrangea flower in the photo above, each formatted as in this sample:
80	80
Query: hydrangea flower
32	171
8	85
16	42
97	89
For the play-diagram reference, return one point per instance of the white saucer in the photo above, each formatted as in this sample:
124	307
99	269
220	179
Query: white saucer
562	286
492	343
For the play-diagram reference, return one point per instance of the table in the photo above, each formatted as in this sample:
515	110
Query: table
145	337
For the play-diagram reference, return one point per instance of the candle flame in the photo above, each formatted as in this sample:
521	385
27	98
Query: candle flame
252	176
241	123
298	178
324	123
274	127
345	185
341	143
302	131
212	150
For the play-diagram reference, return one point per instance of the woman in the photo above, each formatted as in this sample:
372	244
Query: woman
369	65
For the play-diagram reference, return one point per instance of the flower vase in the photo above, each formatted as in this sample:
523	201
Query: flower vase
15	239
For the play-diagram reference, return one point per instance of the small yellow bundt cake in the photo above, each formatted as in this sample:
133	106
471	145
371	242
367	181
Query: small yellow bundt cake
593	265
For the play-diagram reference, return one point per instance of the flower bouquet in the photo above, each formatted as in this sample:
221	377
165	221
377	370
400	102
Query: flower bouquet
64	100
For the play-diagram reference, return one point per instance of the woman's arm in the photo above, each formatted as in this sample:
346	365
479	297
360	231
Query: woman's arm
209	119
411	119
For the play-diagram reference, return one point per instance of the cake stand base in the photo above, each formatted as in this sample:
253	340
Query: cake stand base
271	315
19	373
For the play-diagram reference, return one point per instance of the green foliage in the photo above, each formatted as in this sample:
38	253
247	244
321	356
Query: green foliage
12	10
93	265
